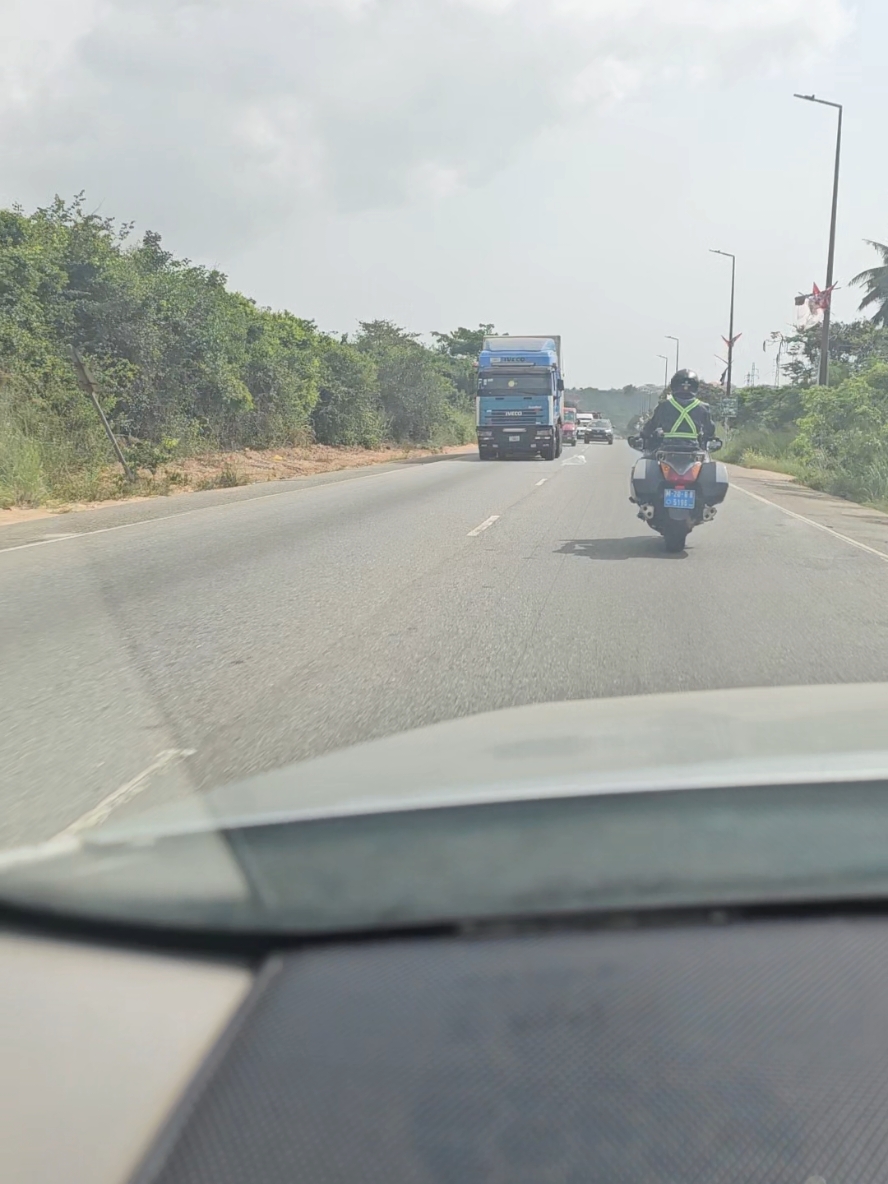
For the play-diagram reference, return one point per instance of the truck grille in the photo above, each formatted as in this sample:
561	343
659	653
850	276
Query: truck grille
505	419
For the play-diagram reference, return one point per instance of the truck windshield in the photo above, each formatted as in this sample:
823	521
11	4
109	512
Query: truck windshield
527	383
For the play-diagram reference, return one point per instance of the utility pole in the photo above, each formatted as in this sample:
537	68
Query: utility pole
776	338
830	258
731	339
90	386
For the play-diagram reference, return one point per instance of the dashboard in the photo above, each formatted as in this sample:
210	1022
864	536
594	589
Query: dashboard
686	1046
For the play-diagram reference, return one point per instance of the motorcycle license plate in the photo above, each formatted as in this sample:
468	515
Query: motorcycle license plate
679	499
514	439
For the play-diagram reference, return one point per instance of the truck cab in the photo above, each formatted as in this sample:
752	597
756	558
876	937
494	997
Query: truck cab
519	403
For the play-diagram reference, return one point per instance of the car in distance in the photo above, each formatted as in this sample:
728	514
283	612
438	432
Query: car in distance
599	431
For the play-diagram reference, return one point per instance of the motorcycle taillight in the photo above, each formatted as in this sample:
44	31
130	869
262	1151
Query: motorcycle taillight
681	474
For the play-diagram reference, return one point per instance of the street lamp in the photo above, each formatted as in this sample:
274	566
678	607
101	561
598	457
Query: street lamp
733	258
830	258
669	337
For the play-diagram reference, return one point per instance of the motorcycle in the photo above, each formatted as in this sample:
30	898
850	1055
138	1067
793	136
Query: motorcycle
677	488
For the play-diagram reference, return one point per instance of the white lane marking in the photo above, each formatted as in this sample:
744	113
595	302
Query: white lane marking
574	460
810	521
543	481
47	540
123	794
484	525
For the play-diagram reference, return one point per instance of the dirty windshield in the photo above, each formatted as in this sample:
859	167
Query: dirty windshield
344	348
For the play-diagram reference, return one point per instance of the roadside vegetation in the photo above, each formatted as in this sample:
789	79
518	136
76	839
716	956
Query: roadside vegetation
832	438
188	368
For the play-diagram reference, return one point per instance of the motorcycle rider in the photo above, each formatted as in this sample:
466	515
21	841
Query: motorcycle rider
681	417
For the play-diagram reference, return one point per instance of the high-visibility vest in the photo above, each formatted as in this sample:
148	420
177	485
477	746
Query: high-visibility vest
684	427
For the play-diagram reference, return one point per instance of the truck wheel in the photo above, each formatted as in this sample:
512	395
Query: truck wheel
559	444
611	440
548	453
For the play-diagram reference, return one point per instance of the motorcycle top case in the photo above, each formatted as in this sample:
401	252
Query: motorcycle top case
713	482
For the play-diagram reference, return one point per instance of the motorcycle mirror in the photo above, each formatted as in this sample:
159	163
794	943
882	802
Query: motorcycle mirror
635	442
715	445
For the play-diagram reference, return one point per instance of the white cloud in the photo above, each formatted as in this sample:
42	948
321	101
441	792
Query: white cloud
218	116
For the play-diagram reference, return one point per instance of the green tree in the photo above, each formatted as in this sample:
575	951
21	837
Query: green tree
415	394
348	409
854	346
875	280
462	342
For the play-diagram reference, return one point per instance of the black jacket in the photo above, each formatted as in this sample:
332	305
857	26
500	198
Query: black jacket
665	415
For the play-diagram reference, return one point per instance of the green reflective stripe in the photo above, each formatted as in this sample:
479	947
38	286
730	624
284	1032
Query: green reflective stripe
684	417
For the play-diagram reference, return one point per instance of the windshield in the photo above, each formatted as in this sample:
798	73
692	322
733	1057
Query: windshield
268	500
515	384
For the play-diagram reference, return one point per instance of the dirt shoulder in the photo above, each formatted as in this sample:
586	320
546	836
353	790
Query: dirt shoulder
221	470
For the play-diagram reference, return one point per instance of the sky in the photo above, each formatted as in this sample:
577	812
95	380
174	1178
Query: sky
551	167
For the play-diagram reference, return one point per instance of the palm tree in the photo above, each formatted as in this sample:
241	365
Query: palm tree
876	281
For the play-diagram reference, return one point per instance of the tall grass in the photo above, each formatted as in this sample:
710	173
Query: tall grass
44	459
753	443
758	448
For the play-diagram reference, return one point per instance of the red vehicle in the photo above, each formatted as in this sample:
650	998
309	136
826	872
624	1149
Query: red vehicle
569	427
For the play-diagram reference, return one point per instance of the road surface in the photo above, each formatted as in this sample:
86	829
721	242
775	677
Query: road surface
152	647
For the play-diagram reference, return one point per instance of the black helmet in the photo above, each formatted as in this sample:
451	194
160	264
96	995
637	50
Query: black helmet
685	382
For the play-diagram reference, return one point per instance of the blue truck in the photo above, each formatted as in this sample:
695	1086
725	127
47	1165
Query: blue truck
520	400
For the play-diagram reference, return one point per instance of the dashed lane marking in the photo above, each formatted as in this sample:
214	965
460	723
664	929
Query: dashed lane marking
483	526
124	793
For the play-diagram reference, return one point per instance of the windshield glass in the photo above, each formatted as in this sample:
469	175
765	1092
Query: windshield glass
515	384
268	500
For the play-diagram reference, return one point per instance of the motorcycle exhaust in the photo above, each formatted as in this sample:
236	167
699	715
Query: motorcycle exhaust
709	512
646	512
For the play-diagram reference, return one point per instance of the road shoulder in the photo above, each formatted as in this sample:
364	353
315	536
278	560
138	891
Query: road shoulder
18	528
863	525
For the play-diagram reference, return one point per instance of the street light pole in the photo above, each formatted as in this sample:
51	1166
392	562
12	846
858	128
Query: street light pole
665	371
830	258
733	259
669	337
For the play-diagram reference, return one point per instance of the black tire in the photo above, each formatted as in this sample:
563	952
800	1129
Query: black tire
674	536
559	444
549	453
610	441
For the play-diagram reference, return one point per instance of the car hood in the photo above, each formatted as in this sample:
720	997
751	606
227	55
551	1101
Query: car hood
629	744
652	743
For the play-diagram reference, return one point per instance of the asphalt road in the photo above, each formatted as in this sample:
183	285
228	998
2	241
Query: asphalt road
254	627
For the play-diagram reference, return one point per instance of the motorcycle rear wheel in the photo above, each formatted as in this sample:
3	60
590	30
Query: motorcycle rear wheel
674	535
